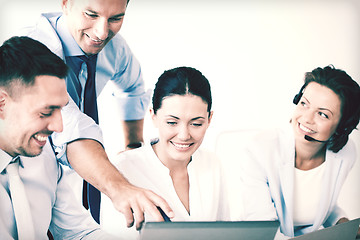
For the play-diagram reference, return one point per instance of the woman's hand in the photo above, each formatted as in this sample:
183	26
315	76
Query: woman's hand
342	220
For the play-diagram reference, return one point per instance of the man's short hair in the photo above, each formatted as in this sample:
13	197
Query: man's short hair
22	59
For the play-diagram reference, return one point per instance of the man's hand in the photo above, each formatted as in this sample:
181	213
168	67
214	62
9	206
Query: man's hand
133	202
89	159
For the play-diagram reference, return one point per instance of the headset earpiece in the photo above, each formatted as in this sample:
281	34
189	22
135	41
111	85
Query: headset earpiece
296	99
299	95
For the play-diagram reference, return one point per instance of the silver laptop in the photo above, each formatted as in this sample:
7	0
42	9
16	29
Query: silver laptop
343	231
248	230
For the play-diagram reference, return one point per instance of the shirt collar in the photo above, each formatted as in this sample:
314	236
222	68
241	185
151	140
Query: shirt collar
71	48
5	159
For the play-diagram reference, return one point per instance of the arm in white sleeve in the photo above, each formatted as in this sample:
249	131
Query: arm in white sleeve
258	204
69	219
77	125
335	216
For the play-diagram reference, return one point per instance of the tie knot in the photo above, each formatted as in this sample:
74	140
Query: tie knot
82	58
13	168
88	59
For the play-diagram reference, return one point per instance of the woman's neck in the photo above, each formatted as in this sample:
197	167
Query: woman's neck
309	156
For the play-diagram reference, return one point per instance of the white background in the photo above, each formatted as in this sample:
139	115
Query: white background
254	53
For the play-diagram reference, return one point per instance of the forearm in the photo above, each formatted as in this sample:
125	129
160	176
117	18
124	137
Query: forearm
343	220
133	131
89	159
336	216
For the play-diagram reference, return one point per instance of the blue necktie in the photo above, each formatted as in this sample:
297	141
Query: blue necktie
90	103
91	196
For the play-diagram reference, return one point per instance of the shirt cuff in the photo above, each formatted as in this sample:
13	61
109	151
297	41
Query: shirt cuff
133	107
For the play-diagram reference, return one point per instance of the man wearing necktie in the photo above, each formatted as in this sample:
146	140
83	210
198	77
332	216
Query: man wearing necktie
34	193
84	30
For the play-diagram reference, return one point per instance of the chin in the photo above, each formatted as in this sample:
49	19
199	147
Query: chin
93	51
33	152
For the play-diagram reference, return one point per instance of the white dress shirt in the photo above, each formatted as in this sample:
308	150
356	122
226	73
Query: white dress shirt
51	201
141	166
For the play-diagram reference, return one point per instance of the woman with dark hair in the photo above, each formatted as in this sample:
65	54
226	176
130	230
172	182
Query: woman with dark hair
172	165
297	176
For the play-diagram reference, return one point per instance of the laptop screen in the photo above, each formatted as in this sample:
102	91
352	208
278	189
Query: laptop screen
209	230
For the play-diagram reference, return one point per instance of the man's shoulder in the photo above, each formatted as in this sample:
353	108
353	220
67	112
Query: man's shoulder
43	31
43	25
117	45
117	41
116	52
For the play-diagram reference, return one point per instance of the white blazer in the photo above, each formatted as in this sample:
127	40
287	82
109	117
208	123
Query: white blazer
267	175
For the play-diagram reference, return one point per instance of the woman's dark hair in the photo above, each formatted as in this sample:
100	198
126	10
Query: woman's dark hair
181	81
349	93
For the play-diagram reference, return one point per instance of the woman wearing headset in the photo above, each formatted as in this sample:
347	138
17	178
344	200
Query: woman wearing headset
297	176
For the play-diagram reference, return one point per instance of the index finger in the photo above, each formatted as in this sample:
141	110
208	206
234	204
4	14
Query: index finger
128	217
158	202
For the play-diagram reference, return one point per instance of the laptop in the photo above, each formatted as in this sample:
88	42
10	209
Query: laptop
343	231
246	230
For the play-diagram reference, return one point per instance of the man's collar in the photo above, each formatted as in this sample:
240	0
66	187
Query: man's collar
5	159
71	48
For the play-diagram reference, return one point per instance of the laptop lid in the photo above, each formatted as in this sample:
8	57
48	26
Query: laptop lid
343	231
209	230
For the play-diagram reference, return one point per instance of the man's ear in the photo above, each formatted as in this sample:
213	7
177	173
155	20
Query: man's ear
65	5
3	99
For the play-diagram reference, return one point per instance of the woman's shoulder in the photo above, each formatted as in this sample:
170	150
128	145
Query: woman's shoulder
208	156
204	153
348	153
272	138
131	157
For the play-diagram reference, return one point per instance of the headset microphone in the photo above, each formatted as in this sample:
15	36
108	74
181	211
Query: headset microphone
310	139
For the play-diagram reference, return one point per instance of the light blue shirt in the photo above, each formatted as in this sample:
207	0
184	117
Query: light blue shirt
116	66
51	201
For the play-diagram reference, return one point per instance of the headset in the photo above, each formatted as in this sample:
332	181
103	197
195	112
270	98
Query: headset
344	130
299	95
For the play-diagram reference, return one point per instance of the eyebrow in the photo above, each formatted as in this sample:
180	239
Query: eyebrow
53	107
321	108
114	16
56	106
196	118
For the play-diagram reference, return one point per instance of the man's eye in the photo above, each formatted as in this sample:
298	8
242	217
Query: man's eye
115	19
92	15
45	114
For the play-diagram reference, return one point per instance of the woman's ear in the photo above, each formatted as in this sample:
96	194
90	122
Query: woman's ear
210	116
151	113
153	117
